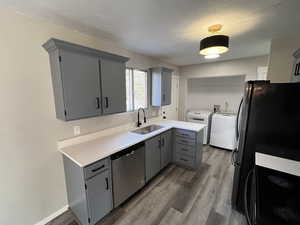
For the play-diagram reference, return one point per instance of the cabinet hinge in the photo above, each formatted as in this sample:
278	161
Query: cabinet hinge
59	58
89	220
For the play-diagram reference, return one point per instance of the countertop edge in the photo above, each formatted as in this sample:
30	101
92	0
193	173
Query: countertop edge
158	132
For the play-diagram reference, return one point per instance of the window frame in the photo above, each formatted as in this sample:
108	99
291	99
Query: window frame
132	91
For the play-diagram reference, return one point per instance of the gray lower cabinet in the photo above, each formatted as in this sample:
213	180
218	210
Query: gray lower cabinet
166	148
99	196
161	86
86	82
89	190
152	157
158	153
188	147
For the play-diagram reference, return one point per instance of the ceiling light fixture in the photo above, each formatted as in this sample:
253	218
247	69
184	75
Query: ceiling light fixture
216	44
211	56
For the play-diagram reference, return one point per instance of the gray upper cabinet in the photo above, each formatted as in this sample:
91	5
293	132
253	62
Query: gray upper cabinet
166	148
81	85
167	87
153	157
161	86
86	82
113	86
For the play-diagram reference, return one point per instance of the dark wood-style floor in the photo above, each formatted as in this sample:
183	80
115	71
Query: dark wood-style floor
179	197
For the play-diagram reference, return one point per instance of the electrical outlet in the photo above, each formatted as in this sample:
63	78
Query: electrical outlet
76	130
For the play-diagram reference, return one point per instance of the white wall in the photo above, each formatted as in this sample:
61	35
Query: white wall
204	93
245	66
281	58
171	111
31	168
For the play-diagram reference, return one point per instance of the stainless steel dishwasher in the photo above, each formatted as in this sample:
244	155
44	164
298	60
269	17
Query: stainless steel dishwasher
128	172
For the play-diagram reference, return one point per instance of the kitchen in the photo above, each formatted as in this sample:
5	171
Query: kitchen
150	63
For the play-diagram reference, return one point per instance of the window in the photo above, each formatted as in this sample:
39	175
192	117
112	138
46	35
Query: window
136	89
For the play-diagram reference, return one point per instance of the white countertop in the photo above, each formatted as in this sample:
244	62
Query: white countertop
91	151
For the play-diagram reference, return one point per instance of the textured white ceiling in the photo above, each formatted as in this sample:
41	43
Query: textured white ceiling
172	29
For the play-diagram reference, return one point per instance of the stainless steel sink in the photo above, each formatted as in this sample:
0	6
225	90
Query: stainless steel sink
147	130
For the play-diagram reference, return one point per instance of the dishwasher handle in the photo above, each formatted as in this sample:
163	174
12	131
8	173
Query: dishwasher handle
127	152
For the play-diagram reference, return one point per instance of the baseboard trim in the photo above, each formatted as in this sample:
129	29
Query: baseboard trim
53	216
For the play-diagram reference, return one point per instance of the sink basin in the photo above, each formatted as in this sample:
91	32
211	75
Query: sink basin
147	130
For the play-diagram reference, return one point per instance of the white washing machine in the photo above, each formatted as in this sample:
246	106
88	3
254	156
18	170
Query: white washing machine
222	132
203	117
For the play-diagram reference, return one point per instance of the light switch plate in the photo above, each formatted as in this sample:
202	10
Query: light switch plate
76	130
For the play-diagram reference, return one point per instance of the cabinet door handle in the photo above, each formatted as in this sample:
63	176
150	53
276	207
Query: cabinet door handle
184	149
106	181
163	142
159	143
97	102
185	160
106	102
298	67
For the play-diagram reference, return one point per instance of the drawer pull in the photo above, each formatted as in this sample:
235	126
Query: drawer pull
184	149
99	168
185	160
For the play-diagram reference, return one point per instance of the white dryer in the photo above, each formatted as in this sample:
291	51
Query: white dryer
203	117
222	133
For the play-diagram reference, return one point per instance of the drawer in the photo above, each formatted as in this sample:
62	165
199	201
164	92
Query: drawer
96	168
184	160
185	149
185	141
185	133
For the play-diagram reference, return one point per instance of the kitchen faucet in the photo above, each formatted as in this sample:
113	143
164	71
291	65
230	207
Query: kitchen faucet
139	123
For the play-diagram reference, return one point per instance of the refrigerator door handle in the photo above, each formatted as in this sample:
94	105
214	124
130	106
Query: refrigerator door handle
233	157
237	132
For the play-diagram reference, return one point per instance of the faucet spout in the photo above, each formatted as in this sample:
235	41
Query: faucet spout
139	123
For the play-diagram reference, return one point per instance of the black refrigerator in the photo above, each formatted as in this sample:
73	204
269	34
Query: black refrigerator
268	122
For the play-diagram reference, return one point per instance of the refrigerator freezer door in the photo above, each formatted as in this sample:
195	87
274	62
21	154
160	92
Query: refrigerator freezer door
270	125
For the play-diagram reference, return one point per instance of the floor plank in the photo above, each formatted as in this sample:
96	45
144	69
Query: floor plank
178	196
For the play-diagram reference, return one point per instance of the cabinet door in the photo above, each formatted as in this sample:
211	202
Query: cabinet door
99	196
81	85
113	86
166	148
153	157
166	87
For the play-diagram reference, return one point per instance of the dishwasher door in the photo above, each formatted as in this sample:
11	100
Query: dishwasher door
128	172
